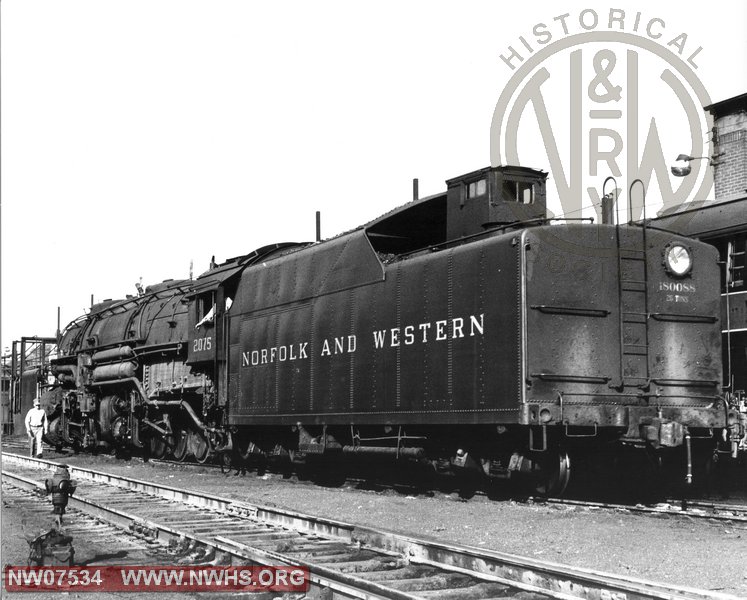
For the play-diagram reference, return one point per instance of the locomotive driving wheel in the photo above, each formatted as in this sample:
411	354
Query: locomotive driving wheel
551	472
179	451
157	446
199	447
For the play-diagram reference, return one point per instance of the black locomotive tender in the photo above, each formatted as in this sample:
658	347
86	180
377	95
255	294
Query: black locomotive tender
723	224
461	331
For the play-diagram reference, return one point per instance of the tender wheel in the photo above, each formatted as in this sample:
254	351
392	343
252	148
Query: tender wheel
551	473
225	460
329	473
249	454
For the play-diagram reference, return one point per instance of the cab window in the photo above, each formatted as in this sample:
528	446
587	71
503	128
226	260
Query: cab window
477	188
518	191
205	309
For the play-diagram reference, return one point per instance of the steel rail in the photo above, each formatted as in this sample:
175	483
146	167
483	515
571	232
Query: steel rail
345	584
721	512
718	508
550	579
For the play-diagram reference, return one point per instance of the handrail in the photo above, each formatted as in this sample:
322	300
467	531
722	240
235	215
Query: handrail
604	187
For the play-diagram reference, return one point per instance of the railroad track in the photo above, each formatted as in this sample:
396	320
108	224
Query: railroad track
16	445
714	510
677	508
88	531
353	562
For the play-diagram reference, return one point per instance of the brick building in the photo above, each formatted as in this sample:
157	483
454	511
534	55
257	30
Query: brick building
730	146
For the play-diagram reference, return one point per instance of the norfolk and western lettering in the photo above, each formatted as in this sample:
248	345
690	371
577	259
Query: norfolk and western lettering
381	339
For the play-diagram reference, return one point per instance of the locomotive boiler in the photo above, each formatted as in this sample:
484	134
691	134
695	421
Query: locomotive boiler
462	332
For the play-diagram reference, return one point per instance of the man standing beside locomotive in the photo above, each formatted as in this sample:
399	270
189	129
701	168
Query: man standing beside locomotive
36	425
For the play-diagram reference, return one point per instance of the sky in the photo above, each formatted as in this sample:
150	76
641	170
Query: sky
139	137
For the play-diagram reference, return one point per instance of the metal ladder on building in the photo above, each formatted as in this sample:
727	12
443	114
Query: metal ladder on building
734	276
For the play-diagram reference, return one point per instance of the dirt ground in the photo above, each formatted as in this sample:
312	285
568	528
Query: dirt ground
699	553
15	550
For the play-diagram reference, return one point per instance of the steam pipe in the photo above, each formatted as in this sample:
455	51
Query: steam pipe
412	453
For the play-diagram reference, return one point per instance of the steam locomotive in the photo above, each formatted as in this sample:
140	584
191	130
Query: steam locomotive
461	332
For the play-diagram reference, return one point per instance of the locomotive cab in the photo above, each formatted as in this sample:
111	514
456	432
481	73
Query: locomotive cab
206	314
202	318
209	302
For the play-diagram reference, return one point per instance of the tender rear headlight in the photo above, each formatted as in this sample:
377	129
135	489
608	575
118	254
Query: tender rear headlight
678	259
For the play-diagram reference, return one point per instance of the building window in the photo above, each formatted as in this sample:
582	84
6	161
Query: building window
477	188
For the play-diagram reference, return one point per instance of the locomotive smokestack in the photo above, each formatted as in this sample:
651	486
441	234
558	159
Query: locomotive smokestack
91	300
318	226
415	191
58	325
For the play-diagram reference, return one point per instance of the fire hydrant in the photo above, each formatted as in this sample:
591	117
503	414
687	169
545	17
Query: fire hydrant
61	487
